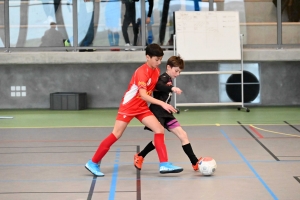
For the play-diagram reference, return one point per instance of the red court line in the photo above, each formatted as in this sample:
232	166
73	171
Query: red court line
256	132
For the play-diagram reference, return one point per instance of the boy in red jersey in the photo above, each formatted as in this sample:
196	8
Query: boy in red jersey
135	104
163	91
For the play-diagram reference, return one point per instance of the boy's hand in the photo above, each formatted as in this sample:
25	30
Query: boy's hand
176	90
169	108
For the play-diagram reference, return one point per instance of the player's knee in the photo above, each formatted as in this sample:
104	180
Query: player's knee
117	134
159	129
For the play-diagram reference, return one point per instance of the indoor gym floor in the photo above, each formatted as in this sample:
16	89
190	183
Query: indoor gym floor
43	153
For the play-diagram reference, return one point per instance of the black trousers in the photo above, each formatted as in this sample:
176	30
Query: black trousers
163	22
129	18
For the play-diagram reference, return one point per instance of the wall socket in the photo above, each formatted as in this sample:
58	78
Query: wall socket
18	91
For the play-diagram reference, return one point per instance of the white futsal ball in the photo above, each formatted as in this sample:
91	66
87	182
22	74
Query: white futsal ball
207	166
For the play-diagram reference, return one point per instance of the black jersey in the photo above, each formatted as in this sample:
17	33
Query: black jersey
163	92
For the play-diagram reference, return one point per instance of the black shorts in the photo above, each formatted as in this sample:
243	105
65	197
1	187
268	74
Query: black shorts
165	122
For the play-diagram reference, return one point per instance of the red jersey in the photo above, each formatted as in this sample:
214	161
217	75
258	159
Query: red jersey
144	77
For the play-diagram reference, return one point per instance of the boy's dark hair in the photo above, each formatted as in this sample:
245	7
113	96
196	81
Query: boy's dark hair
176	61
154	50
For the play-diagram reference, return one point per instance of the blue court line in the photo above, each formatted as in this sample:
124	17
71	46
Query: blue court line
114	177
102	179
249	165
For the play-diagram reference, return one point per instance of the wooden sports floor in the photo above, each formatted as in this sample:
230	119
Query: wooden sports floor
43	153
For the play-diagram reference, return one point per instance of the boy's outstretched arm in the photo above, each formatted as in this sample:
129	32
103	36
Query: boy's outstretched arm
150	99
161	86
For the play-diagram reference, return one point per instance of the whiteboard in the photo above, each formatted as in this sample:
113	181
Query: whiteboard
207	35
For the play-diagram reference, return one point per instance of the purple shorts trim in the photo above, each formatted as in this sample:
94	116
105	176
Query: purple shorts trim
173	124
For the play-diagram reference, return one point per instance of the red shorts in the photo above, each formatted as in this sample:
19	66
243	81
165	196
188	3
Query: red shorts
127	119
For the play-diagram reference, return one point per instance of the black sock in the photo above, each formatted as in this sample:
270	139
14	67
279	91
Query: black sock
187	148
147	149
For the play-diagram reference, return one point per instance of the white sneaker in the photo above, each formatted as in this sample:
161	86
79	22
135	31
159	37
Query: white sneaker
93	168
166	167
127	45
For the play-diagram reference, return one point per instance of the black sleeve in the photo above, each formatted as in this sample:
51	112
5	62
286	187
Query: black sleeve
162	86
150	8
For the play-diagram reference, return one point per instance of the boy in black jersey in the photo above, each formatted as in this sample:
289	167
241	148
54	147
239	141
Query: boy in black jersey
163	92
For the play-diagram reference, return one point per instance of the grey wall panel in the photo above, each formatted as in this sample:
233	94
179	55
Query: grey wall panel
106	83
199	88
280	82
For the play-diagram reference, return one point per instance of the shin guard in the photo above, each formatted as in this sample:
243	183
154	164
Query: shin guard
159	142
104	147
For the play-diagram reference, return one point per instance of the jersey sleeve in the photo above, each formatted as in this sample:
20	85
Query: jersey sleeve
141	78
162	84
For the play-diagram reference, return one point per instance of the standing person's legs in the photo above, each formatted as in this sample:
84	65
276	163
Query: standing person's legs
125	25
163	22
116	38
89	37
110	38
92	165
113	38
126	22
135	27
196	5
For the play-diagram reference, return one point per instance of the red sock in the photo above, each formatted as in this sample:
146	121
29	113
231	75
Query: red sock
159	142
104	147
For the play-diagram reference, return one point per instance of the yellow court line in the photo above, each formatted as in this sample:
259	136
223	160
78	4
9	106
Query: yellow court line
274	131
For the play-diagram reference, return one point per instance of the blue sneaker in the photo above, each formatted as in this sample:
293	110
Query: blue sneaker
93	168
166	167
